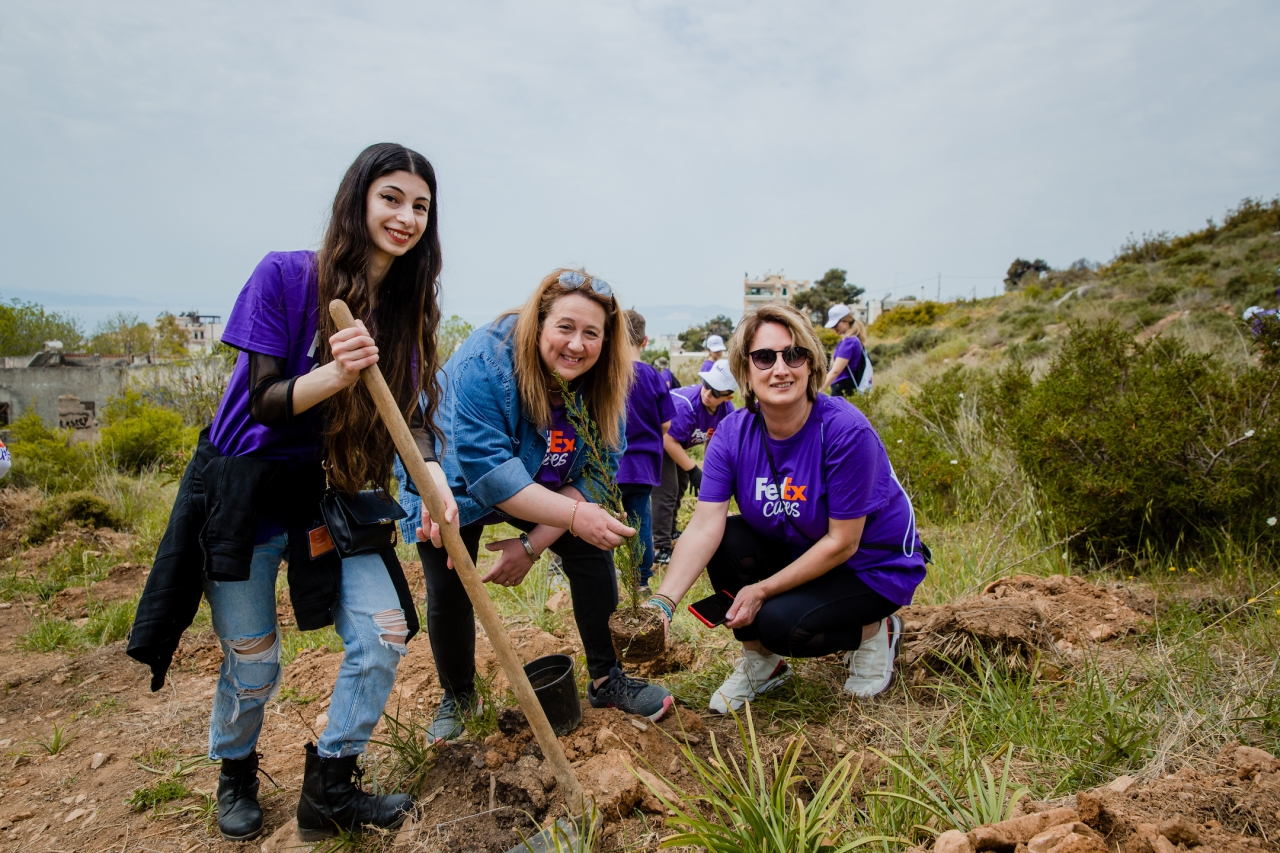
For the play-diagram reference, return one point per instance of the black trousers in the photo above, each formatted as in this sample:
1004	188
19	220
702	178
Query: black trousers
666	502
843	387
825	615
451	622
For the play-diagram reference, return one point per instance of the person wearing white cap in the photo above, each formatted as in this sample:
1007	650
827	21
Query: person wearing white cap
699	409
850	367
715	349
5	460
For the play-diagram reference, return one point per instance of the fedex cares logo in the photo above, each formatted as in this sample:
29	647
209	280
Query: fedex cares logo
701	437
559	446
779	500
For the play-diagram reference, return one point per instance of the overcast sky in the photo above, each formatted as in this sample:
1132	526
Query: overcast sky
154	151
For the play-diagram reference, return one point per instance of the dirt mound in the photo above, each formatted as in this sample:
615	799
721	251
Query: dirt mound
483	796
1231	810
1017	617
102	539
17	507
1236	808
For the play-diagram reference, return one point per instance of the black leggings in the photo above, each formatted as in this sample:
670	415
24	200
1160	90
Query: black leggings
816	618
451	623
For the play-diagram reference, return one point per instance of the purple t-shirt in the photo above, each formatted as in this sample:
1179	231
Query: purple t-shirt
648	408
668	378
849	348
706	365
834	467
274	315
692	424
562	438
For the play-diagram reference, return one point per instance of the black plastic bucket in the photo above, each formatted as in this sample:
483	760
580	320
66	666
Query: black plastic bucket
557	691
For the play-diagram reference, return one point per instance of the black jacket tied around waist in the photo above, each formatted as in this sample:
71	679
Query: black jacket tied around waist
211	535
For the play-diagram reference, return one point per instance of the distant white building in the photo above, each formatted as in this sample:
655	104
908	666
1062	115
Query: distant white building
671	343
867	310
202	330
770	287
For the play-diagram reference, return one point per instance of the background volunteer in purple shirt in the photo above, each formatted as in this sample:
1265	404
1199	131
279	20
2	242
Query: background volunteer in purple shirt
849	361
715	350
293	403
825	549
511	455
649	413
663	365
697	411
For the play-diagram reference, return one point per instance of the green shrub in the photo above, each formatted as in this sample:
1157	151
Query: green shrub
1144	444
1189	258
828	337
83	508
1162	294
907	316
140	434
917	340
42	457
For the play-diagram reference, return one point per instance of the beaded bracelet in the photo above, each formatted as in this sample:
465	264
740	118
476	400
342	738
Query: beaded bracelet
664	607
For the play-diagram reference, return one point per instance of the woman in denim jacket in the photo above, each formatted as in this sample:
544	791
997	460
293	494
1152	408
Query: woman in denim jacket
511	455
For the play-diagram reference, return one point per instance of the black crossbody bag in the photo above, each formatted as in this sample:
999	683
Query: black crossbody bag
361	523
822	448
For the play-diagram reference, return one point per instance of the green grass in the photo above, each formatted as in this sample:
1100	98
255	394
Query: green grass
157	794
293	641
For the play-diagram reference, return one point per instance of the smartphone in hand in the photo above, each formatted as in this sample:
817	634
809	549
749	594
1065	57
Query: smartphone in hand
713	610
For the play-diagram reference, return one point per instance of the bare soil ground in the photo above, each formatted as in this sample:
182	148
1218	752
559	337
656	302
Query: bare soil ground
484	795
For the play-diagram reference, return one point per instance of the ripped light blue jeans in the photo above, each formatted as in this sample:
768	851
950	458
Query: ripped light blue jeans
373	631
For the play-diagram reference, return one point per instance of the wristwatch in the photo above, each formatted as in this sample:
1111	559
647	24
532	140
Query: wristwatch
528	546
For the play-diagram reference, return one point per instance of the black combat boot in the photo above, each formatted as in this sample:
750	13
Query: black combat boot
239	815
332	803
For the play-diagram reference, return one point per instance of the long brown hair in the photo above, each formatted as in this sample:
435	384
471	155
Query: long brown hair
604	387
802	335
358	448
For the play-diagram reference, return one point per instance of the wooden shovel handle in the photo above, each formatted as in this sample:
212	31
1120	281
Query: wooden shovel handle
466	569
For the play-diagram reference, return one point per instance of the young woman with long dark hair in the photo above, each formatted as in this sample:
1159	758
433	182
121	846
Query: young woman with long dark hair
293	421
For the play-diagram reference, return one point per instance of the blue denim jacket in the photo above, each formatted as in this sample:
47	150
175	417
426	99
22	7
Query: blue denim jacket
492	449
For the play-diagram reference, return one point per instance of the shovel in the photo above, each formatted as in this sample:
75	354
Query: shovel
563	834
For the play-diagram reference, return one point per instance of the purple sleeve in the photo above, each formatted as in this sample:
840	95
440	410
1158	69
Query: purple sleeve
718	469
855	464
666	409
681	418
257	322
845	349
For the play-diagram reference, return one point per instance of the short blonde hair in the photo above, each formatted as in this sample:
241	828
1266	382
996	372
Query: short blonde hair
603	388
802	335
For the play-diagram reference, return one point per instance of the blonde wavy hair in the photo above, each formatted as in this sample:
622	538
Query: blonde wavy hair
604	387
859	331
802	335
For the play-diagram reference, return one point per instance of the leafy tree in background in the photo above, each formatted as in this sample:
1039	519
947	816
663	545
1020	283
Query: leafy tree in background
832	288
170	340
1020	268
449	337
25	326
122	334
695	337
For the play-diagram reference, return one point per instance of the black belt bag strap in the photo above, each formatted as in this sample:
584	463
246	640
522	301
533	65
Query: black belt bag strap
361	523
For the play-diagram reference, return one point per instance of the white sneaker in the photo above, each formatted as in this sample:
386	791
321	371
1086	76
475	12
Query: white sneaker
871	665
752	675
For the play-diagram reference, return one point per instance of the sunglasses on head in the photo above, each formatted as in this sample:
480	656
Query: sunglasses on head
719	395
792	356
571	280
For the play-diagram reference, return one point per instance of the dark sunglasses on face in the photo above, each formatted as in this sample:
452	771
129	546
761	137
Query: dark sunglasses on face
719	395
571	280
793	356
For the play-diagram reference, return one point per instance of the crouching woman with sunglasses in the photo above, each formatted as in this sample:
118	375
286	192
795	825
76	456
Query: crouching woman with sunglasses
825	550
511	455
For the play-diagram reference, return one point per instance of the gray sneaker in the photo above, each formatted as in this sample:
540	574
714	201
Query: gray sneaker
631	695
450	716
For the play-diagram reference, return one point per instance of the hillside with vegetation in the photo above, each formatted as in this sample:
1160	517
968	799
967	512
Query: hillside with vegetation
1093	456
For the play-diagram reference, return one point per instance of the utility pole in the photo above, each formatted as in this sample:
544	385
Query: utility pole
939	287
